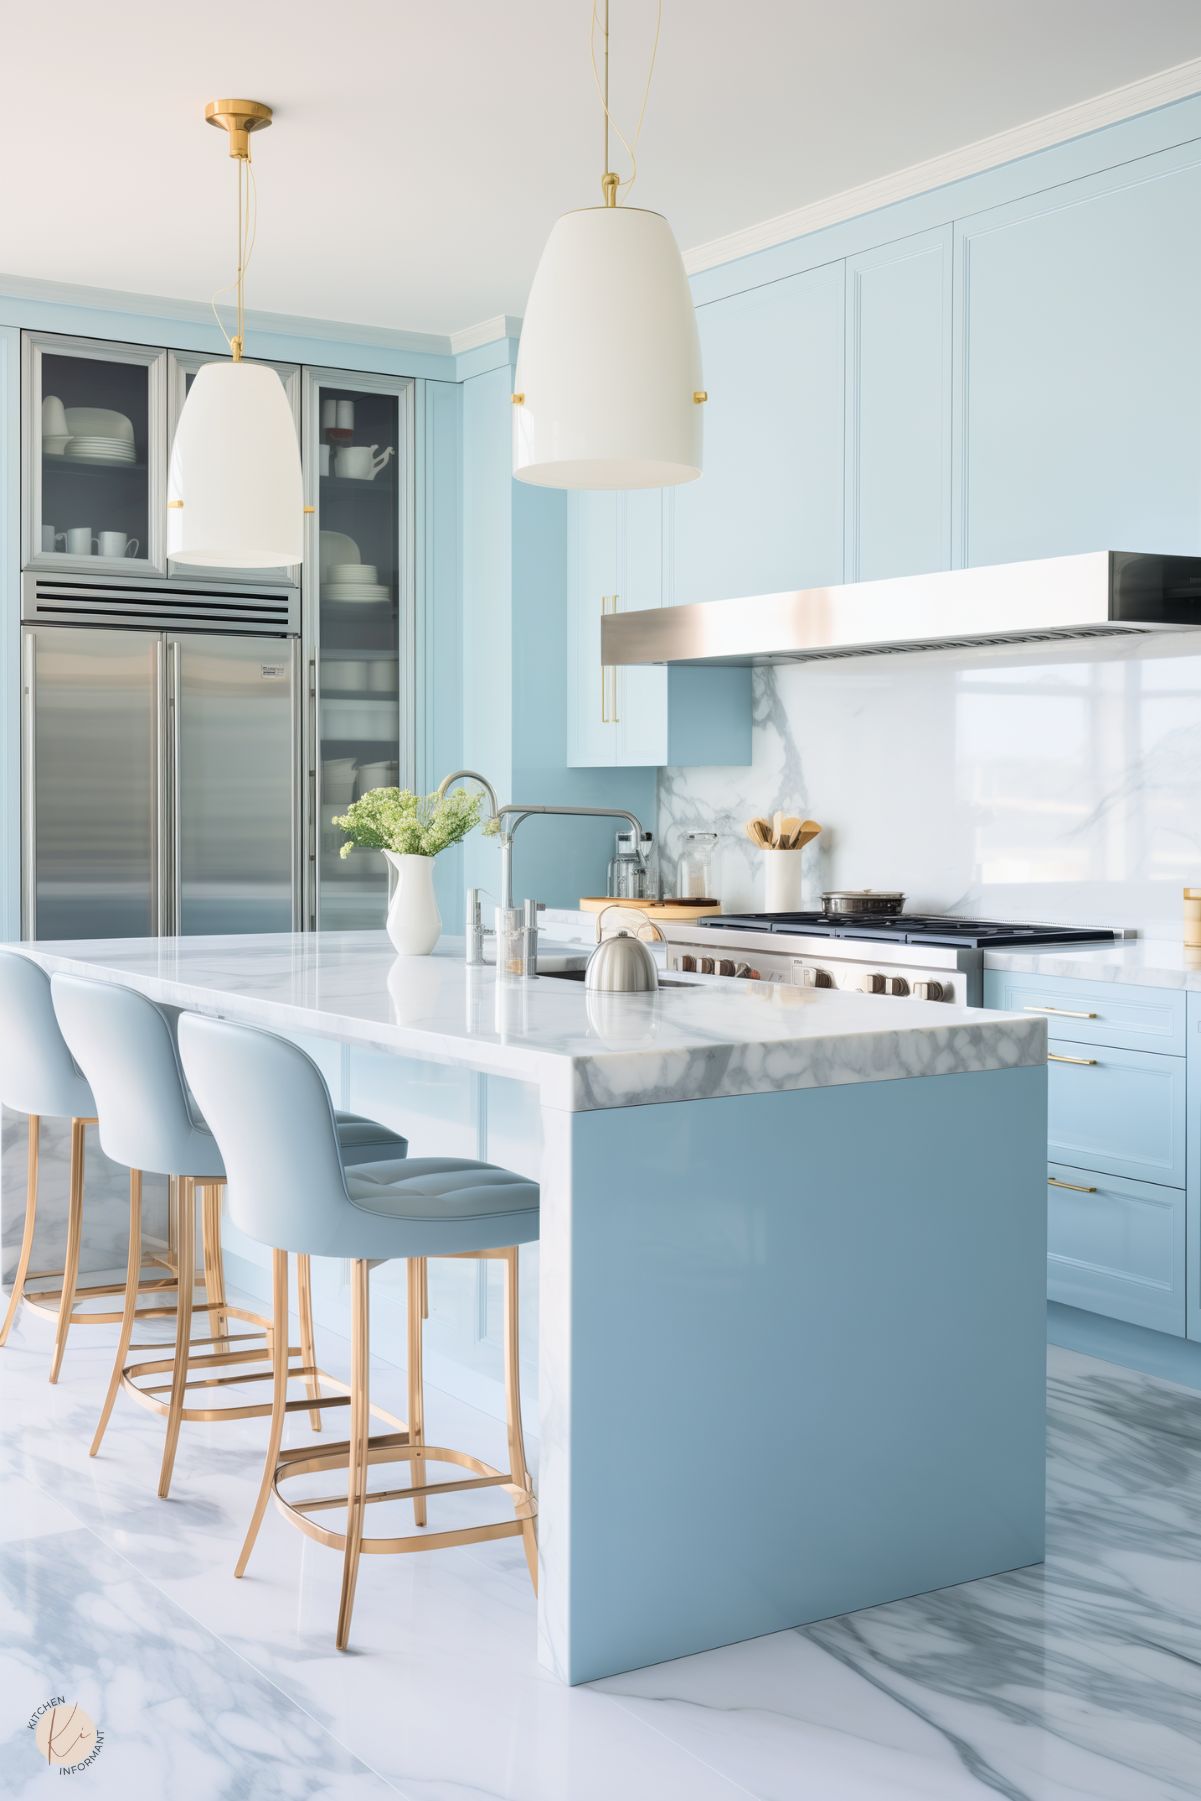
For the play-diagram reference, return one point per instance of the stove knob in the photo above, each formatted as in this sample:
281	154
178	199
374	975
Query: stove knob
873	983
707	966
688	963
928	991
726	967
743	970
816	978
896	985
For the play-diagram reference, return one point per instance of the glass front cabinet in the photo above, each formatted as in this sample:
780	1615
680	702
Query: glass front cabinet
358	435
94	456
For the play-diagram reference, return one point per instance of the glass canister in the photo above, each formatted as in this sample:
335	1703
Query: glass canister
630	869
694	880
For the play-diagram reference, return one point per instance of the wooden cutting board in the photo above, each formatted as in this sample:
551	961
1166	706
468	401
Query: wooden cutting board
667	911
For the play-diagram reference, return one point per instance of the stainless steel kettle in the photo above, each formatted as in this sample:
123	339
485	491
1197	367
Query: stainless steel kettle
622	964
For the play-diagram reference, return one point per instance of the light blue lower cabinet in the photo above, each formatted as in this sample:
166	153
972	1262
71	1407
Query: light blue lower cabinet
1116	1247
1117	1110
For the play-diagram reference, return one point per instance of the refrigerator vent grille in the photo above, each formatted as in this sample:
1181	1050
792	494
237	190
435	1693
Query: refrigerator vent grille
265	612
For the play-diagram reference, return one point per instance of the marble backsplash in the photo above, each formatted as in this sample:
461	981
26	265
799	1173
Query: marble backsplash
1055	782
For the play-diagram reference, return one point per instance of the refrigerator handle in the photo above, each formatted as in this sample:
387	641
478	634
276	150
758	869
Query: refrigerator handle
314	812
173	687
159	878
29	928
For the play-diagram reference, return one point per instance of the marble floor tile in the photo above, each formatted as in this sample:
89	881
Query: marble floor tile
1077	1681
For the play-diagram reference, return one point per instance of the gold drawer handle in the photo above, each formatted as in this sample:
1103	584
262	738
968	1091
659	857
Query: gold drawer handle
1084	1062
1059	1012
1076	1187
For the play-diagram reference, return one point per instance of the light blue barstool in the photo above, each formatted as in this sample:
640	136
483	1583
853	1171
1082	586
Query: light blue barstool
271	1112
149	1121
39	1077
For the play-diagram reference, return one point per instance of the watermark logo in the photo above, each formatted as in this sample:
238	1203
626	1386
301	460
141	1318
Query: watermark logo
67	1738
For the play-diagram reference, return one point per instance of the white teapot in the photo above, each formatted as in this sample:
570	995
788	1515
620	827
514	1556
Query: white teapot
360	460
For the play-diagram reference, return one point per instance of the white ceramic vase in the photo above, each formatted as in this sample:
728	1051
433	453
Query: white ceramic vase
414	921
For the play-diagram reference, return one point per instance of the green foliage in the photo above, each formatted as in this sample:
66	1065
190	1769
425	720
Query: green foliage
413	825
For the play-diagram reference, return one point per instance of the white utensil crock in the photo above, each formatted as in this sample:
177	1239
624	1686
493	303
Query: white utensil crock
414	922
782	881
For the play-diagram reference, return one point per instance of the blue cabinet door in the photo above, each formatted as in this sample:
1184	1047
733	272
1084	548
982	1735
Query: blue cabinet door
1080	359
592	734
898	408
1116	1247
767	512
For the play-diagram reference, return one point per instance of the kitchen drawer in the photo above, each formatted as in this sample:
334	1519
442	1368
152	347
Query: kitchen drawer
1141	1019
1116	1110
1116	1247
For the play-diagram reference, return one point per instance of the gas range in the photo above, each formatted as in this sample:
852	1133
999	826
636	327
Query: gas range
927	956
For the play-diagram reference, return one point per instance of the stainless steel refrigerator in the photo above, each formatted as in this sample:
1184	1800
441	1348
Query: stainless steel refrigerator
160	759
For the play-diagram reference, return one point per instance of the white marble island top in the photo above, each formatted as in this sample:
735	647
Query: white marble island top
690	1042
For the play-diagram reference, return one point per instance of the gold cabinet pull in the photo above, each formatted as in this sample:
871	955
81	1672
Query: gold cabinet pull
1076	1187
1085	1062
608	607
1059	1012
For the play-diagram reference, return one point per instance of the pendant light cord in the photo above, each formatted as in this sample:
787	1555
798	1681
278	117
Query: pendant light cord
630	145
248	220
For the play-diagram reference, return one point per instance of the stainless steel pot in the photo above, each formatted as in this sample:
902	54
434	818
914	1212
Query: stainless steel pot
839	902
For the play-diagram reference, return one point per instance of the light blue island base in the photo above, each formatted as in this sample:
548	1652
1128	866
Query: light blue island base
792	1358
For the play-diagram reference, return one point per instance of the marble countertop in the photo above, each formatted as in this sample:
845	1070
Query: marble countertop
1151	962
582	1051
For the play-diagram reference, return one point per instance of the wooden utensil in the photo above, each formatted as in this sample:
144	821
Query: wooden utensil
787	827
759	832
807	830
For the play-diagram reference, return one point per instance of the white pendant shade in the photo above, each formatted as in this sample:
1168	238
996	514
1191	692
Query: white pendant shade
610	359
235	465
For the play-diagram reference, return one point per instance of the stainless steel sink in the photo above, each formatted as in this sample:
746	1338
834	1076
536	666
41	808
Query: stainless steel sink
577	975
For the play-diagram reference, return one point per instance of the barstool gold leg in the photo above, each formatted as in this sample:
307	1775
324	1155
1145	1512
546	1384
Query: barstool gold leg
66	1304
517	1464
416	1413
308	1349
214	1269
279	1396
186	1253
31	1211
360	1419
133	1272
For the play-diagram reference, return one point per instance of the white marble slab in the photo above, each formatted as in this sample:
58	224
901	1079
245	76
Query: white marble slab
692	1042
1143	962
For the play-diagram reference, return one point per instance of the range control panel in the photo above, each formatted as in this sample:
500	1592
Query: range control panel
853	977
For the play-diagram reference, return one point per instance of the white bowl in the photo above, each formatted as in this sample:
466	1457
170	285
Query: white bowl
377	775
98	422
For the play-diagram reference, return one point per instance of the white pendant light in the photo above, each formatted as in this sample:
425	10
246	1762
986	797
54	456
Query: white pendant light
235	490
608	385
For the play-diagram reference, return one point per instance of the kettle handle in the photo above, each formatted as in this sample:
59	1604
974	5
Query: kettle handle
618	907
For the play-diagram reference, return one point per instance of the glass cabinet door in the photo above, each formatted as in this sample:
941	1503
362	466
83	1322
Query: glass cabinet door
358	602
94	455
182	366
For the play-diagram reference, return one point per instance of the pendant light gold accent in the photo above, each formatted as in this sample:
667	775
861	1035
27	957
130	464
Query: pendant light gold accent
608	382
235	457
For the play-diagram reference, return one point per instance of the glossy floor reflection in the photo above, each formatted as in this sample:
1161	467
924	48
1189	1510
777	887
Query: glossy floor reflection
1079	1680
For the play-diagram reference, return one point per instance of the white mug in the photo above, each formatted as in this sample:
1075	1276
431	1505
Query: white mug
116	544
80	541
323	458
52	539
54	417
329	413
360	461
345	415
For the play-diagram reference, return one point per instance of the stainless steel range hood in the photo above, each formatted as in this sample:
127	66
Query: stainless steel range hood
1098	593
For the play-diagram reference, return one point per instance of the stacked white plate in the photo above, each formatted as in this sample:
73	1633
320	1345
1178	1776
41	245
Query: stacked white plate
100	450
353	581
99	435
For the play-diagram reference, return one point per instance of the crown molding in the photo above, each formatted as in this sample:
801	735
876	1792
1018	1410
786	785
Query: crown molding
474	337
200	312
1161	89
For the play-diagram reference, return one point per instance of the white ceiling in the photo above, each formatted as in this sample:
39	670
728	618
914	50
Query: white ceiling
422	148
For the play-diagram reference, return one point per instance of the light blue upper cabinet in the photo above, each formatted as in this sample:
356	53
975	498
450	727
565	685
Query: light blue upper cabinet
1077	341
898	407
767	513
638	717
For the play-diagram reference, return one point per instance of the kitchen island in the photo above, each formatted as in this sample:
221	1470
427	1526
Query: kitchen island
792	1263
